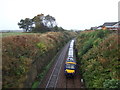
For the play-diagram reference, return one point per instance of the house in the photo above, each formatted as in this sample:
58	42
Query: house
110	26
99	27
93	28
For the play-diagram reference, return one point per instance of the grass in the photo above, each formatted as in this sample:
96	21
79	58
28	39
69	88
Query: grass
14	34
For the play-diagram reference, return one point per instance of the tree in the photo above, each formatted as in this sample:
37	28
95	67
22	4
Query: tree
38	20
43	23
25	24
49	21
39	23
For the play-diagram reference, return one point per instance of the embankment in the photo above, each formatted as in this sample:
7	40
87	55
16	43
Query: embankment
98	55
25	56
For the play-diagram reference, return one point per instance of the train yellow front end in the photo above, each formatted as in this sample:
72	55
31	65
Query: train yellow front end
70	69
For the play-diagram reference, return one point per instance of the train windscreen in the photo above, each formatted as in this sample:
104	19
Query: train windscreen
70	66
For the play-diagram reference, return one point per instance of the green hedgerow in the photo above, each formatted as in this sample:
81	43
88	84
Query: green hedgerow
113	83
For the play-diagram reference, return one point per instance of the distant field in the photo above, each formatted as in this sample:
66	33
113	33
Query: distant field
14	33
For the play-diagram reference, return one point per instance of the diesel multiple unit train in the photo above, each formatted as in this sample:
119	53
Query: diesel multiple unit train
70	64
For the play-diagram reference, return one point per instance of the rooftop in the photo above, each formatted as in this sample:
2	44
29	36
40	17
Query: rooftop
109	23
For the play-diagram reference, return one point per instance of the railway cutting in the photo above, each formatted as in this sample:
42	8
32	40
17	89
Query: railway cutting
55	73
56	77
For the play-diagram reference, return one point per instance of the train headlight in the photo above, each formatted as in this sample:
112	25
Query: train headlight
73	71
65	71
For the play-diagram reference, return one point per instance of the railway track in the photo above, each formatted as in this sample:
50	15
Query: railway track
70	83
56	70
56	78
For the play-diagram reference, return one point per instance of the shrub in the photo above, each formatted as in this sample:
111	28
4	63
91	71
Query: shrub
42	47
113	83
98	54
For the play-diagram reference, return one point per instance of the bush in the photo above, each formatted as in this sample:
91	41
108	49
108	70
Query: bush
113	83
42	47
98	54
88	45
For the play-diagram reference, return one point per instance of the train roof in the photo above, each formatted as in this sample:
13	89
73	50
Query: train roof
70	59
70	53
72	40
71	49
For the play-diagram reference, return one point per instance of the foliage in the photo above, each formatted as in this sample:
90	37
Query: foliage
35	85
42	74
24	56
98	55
88	45
39	23
49	21
42	47
113	83
26	24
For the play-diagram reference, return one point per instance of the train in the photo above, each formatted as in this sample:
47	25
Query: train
70	63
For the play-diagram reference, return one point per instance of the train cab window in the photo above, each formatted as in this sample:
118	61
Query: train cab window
70	66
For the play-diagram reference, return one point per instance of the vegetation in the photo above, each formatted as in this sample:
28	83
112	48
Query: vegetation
26	57
98	56
39	23
41	75
6	34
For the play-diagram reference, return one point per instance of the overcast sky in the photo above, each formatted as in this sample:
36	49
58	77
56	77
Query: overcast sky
69	14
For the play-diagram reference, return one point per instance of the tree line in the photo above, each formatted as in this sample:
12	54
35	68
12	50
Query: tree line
39	23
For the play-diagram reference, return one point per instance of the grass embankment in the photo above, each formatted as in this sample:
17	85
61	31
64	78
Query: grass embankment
6	34
26	57
98	56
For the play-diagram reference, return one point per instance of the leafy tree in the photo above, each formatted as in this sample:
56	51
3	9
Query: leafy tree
38	20
40	23
49	21
25	24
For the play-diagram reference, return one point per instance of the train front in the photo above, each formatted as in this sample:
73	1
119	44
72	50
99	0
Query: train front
70	69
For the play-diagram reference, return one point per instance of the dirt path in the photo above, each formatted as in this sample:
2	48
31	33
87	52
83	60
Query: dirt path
55	78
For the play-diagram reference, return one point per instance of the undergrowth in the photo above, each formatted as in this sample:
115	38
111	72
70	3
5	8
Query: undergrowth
98	57
24	57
